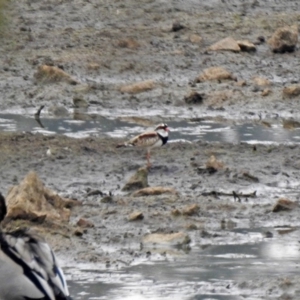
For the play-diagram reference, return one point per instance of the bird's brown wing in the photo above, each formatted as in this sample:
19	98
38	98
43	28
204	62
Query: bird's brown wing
147	139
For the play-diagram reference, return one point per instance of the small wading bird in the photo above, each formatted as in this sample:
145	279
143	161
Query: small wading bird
28	267
149	139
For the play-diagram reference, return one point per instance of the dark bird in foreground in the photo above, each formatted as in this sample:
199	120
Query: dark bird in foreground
28	267
149	139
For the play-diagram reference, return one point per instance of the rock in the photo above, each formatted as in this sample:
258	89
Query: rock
93	66
156	190
138	181
266	92
291	91
135	216
191	210
83	223
260	81
129	43
177	26
194	98
79	102
195	38
176	239
139	87
284	39
260	40
31	200
215	73
78	232
176	212
241	83
290	124
227	44
284	204
268	234
214	164
49	74
246	46
191	227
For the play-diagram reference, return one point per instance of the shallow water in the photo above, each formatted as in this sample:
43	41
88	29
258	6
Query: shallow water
215	269
180	129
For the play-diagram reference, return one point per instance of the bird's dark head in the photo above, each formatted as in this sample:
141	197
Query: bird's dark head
162	127
3	209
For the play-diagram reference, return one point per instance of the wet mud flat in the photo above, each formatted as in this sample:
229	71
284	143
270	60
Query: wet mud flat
104	45
203	207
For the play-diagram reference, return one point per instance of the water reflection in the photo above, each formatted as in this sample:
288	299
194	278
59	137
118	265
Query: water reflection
211	272
181	129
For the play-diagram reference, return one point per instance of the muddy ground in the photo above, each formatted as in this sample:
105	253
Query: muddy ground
105	44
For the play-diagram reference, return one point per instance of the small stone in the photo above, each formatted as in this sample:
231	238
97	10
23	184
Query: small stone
191	227
266	92
78	232
290	124
136	216
138	87
137	181
129	43
176	212
284	205
214	164
79	102
246	46
268	234
260	81
215	73
191	210
241	83
93	66
284	39
195	38
227	44
85	223
291	91
50	74
177	26
194	98
154	191
260	40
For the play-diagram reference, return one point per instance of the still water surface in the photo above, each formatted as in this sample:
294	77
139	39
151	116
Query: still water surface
209	271
180	129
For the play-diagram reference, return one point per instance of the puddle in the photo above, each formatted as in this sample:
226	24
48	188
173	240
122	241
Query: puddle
180	130
207	272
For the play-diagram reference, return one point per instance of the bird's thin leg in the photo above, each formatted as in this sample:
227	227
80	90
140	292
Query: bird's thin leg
148	159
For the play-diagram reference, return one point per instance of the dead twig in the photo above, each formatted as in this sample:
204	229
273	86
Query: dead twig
37	116
233	193
38	112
